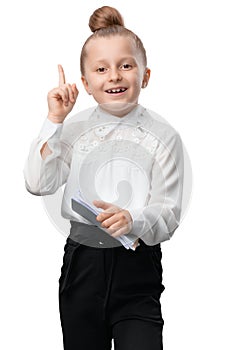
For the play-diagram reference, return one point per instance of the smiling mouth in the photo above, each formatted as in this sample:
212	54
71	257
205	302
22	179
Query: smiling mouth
116	91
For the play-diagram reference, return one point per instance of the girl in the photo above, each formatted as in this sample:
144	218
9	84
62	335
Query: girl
105	290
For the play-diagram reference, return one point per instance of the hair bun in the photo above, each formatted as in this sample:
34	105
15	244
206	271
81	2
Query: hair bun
104	17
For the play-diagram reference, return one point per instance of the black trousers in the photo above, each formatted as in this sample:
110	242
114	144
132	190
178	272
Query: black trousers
111	293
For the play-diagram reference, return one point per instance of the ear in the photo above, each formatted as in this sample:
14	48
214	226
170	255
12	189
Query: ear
146	78
86	85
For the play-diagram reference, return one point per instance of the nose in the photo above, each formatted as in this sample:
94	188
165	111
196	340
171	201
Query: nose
114	75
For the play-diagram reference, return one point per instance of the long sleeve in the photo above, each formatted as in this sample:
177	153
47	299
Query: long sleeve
157	221
45	176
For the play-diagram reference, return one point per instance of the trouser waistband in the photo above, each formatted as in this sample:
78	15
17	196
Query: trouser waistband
94	238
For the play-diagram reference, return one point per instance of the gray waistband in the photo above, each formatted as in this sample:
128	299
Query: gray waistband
92	236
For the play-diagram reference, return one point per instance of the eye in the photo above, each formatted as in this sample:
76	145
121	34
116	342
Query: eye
101	70
126	66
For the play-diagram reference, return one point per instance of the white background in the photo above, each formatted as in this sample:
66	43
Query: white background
189	46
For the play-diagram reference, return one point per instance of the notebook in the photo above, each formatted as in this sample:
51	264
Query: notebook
89	212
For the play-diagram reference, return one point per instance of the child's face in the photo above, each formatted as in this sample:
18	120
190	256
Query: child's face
114	71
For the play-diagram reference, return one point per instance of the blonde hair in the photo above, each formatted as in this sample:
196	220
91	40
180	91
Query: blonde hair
107	21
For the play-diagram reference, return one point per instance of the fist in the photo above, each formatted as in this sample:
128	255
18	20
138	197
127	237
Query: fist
61	99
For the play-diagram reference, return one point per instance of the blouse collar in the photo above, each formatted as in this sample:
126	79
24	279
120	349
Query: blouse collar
133	118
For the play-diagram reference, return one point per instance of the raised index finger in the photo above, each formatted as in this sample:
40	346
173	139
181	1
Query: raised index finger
62	79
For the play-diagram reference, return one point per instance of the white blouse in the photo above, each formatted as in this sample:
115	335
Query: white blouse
135	162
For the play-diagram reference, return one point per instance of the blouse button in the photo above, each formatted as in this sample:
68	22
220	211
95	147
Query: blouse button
138	132
101	131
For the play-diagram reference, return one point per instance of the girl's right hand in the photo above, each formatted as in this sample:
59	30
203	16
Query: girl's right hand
61	100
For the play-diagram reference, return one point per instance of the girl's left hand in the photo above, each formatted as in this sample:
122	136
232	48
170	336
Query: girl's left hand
116	220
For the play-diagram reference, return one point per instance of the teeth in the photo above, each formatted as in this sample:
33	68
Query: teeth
110	91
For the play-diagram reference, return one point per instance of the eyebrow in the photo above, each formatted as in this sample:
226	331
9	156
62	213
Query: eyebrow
103	60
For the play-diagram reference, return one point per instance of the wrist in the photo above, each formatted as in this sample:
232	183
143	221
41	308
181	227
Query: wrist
55	119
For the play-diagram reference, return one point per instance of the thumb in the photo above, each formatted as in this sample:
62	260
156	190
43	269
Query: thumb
102	204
